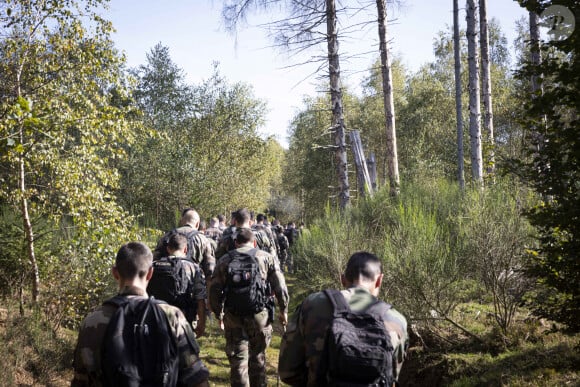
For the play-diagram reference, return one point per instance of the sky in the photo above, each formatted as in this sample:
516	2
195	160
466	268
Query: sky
196	38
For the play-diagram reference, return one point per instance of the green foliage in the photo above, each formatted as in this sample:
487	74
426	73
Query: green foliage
496	236
204	139
440	247
554	172
308	171
61	141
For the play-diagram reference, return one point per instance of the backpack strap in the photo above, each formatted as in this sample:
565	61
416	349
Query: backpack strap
118	301
339	304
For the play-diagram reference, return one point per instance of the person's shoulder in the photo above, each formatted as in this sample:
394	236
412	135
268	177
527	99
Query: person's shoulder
395	316
174	315
98	317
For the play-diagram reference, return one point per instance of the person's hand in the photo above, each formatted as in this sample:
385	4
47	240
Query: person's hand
283	318
222	325
200	329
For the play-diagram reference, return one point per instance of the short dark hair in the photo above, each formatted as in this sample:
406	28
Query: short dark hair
133	260
243	235
241	216
363	264
176	242
221	218
260	217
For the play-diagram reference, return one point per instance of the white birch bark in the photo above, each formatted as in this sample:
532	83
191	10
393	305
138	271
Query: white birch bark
458	102
486	83
474	98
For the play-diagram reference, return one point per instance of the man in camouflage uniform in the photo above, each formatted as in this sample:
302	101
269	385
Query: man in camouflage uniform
247	337
133	271
269	242
303	342
283	245
177	249
202	251
213	232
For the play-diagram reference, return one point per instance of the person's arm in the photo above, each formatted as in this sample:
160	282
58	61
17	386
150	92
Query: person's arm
192	371
208	259
278	285
200	329
216	287
396	325
292	358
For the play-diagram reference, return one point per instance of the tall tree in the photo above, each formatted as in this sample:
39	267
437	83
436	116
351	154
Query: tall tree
338	126
60	134
474	97
458	89
486	83
166	103
388	100
304	28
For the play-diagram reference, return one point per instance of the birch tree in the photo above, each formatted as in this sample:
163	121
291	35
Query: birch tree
474	97
388	101
486	83
60	135
458	102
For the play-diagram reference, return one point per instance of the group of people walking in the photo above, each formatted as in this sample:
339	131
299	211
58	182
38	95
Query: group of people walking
146	334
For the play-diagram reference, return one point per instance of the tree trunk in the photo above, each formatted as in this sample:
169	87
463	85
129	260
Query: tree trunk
486	83
388	102
458	103
27	224
338	126
474	99
535	57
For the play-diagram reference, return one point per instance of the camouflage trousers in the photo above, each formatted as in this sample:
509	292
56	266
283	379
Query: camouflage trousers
246	341
286	261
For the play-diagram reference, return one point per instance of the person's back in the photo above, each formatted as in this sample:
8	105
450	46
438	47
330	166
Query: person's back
93	368
200	248
213	231
180	282
240	291
304	341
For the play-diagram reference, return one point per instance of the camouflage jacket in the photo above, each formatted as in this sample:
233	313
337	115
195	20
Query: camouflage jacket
214	233
87	356
303	341
203	250
270	270
266	241
226	242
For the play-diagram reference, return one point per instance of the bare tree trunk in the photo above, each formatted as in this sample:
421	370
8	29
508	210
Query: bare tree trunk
474	99
486	83
537	135
338	126
458	103
535	57
388	102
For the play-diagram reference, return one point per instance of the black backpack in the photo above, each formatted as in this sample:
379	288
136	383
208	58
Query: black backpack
170	282
161	251
357	347
139	348
246	293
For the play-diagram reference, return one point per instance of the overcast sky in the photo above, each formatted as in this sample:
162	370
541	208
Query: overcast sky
194	33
